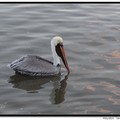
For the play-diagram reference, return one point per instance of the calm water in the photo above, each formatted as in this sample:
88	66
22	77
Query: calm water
91	35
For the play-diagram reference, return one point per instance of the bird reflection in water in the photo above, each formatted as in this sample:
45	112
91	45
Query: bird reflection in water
34	84
58	92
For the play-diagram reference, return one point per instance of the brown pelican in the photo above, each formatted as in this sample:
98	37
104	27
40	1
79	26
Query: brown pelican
36	66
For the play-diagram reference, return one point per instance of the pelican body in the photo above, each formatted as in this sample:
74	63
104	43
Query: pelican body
37	66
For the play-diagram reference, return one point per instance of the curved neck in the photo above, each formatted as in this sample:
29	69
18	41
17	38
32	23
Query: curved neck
56	59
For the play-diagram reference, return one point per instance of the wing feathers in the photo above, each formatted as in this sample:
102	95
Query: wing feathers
34	66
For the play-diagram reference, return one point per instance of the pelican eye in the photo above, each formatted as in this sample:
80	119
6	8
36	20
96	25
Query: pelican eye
61	44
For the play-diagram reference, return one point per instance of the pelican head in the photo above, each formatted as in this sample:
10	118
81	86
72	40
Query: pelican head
58	52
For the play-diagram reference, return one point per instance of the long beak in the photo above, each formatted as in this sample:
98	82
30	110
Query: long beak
64	59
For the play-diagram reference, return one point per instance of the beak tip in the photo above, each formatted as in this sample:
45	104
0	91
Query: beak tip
68	71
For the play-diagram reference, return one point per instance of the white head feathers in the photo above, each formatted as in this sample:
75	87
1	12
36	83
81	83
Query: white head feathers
56	40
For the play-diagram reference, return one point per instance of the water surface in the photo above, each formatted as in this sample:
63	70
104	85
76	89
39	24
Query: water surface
91	34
